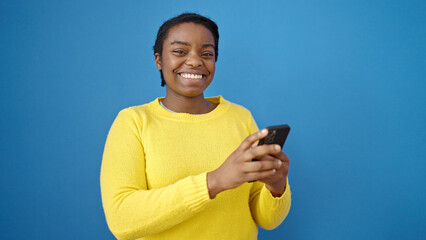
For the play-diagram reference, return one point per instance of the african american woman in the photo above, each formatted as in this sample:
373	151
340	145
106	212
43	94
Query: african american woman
180	167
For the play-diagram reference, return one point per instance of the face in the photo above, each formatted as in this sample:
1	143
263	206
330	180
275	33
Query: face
187	60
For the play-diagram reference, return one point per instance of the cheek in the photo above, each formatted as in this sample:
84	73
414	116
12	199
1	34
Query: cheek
211	67
171	65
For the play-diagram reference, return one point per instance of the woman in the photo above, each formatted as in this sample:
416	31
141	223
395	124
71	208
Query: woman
181	166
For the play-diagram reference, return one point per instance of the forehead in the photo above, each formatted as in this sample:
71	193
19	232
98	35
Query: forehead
191	33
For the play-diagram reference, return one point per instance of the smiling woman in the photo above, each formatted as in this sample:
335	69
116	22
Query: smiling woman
181	166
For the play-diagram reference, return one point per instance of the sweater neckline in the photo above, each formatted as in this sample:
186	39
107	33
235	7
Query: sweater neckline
221	108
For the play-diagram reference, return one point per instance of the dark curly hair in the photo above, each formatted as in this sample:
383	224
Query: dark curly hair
185	18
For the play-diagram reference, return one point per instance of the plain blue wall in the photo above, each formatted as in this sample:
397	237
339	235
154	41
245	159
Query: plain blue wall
348	76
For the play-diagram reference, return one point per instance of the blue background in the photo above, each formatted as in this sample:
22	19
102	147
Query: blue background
348	76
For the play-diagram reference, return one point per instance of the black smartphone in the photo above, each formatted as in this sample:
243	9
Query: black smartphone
276	135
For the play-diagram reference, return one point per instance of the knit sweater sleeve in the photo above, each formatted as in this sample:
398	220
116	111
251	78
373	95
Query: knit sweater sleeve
131	209
269	211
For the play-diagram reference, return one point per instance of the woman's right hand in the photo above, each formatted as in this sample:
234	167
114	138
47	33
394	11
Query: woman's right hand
239	168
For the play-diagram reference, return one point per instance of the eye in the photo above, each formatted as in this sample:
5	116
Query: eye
178	52
207	54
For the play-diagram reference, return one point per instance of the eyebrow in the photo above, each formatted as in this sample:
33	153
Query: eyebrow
187	44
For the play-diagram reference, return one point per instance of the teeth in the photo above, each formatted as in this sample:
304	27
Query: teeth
190	75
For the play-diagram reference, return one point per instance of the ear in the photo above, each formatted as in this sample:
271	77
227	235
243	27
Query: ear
158	61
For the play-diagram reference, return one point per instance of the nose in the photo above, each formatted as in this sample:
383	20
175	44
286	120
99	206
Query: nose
193	60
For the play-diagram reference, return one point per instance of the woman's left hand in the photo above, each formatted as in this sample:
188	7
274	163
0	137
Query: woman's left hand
276	183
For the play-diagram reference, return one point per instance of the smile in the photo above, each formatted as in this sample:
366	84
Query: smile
191	75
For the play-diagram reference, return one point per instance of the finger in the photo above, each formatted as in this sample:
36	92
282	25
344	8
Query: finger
268	157
260	166
259	152
282	156
284	166
254	176
251	140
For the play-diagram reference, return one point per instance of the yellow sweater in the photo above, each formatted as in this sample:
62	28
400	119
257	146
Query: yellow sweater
153	176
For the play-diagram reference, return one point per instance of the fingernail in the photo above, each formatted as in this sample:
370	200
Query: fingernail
280	163
277	147
264	131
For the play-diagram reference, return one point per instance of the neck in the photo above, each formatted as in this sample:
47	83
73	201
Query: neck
192	105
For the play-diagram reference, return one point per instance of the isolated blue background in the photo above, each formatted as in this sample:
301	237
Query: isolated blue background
348	76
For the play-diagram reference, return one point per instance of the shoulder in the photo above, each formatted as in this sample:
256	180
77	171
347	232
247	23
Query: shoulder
236	108
136	113
139	110
242	114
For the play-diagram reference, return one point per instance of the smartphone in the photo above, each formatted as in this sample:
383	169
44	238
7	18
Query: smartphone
276	135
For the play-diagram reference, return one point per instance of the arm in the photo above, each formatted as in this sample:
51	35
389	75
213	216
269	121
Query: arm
270	202
133	211
270	197
269	211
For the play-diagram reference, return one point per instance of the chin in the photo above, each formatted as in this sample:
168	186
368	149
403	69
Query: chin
192	94
192	91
